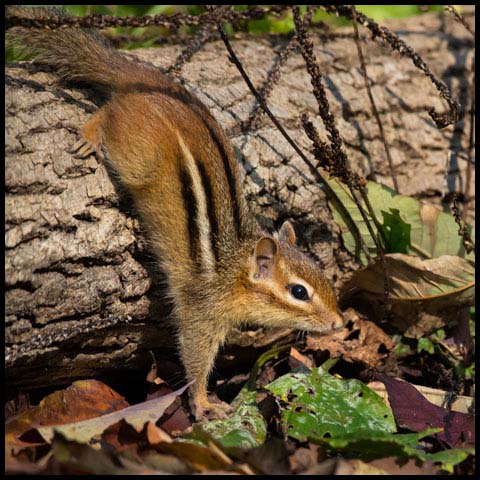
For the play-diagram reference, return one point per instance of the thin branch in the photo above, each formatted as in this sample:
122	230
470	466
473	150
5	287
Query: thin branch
195	44
274	74
372	100
453	11
176	20
468	243
317	175
471	142
342	169
441	120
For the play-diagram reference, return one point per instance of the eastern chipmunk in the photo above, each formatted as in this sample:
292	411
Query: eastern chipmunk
173	157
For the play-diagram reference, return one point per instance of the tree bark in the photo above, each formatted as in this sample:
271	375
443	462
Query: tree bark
82	294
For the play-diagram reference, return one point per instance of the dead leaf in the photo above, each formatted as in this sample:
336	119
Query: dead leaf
269	458
434	288
175	419
121	436
156	435
395	466
297	360
364	342
136	415
81	458
82	400
462	336
199	457
166	462
303	458
16	406
434	395
385	466
413	411
357	467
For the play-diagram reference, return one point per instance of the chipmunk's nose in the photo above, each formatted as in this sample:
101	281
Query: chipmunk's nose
338	321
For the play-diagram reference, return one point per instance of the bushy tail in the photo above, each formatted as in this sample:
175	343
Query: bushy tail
82	55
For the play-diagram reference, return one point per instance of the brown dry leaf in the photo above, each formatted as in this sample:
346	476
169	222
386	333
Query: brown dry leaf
297	360
384	466
175	419
270	458
199	457
166	462
136	416
82	400
413	411
394	466
156	435
365	342
424	294
77	458
14	466
357	467
122	437
303	458
438	397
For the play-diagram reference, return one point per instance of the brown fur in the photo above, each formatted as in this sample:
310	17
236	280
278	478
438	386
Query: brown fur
178	165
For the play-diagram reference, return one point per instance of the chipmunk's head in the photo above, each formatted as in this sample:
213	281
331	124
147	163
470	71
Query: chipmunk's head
287	289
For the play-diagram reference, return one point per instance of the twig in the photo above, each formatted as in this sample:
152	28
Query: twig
267	87
453	11
342	169
164	20
468	243
372	100
441	120
274	75
196	43
318	176
471	141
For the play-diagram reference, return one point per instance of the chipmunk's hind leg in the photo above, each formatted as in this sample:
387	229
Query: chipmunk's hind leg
90	138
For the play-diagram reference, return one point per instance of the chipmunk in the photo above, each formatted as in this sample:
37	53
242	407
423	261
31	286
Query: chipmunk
174	159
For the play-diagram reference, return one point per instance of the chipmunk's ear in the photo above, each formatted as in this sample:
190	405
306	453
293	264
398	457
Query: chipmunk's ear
265	254
287	233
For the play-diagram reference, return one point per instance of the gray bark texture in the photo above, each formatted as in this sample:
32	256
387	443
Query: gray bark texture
82	295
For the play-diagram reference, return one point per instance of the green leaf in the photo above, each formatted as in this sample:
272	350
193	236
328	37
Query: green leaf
319	405
396	232
380	445
432	232
346	415
426	344
245	428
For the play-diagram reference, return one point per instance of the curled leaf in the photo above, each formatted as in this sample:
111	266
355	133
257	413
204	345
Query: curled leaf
434	289
409	226
136	415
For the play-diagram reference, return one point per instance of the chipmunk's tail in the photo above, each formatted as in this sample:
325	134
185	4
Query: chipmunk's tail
81	55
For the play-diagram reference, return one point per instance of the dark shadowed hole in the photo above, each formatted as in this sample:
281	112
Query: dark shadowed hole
354	335
382	348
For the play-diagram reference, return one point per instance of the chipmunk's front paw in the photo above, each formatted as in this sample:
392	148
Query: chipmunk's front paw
205	410
90	139
83	148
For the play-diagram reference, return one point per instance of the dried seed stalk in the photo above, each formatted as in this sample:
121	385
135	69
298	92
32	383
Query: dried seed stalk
340	166
441	120
168	21
372	100
317	175
459	18
468	243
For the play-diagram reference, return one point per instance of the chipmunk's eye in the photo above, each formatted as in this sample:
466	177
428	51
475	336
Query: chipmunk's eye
299	292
